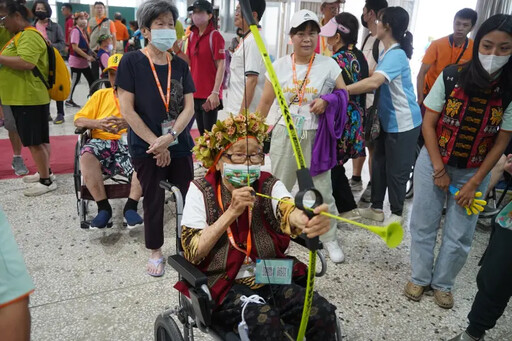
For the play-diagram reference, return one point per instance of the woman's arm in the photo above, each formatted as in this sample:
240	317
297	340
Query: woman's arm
366	85
16	63
80	52
267	98
442	180
59	43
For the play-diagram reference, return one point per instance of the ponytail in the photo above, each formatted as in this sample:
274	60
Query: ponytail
406	44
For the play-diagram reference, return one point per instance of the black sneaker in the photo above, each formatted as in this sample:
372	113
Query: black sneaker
50	118
59	119
70	103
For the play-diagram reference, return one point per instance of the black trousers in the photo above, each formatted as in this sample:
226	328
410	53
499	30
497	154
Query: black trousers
180	172
494	283
76	74
205	119
95	68
60	107
341	190
280	318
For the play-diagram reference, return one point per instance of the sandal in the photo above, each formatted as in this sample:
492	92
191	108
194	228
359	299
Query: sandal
413	291
156	263
444	299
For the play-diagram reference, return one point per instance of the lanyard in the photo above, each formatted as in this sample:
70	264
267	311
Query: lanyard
302	89
167	99
230	233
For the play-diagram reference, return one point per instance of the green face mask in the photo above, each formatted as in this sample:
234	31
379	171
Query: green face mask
237	175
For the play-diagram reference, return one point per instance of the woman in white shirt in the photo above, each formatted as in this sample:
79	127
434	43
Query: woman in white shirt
303	76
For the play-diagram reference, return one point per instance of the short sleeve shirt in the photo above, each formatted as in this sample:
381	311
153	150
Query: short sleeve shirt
15	282
245	61
102	104
74	60
21	87
134	75
398	110
202	59
437	98
442	53
321	80
367	50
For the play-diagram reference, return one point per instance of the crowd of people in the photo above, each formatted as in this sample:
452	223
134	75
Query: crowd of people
344	101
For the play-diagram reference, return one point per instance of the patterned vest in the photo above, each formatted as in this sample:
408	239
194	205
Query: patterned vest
82	45
222	264
468	126
97	31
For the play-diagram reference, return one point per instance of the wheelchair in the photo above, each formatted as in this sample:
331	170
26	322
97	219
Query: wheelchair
118	186
196	311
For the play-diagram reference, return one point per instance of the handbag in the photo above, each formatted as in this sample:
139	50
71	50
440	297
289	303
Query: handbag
372	121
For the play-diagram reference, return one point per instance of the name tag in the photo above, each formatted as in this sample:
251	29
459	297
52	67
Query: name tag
274	271
167	128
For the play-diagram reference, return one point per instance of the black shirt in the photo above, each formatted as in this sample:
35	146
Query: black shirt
134	75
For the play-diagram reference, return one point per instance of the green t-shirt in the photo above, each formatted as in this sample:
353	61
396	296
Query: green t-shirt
5	36
180	32
21	87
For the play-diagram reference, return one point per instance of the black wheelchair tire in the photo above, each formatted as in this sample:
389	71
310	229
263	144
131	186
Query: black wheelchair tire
98	84
166	329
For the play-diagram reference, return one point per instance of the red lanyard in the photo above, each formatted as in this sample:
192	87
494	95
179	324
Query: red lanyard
301	90
230	233
167	99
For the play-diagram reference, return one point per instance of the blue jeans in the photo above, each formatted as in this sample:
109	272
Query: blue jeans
425	220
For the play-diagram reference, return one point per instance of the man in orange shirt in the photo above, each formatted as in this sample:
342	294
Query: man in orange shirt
456	48
121	32
100	25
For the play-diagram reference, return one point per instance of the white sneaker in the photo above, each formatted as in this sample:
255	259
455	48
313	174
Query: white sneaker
394	218
39	189
355	186
367	194
372	213
335	251
351	215
30	179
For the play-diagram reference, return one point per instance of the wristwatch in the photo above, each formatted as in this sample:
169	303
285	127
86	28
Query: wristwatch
173	133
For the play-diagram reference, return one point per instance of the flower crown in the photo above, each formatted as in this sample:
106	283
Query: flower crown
225	133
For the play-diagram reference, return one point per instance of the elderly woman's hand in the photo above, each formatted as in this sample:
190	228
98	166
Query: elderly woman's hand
313	227
318	106
241	198
163	159
160	144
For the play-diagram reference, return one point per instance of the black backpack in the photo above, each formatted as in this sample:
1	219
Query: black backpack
375	47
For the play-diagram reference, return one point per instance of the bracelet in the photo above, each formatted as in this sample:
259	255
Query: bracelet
439	174
215	92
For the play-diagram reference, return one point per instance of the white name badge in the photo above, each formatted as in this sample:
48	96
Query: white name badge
274	271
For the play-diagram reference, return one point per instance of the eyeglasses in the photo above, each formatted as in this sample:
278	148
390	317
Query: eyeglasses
3	18
239	158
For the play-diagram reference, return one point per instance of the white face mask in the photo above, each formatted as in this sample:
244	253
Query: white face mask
492	63
110	47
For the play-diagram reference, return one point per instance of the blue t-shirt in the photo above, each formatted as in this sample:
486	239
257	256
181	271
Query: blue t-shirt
134	75
398	110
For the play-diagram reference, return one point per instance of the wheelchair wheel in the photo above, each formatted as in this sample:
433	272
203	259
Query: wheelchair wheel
409	189
166	329
101	83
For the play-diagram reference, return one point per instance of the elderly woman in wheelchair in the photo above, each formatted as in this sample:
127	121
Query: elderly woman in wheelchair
105	152
227	230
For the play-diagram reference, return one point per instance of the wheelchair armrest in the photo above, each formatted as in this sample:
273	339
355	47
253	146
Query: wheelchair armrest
80	130
189	272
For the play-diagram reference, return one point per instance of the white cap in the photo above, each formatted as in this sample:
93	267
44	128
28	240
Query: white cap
302	16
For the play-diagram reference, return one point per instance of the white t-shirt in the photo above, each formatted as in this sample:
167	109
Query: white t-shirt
321	80
194	212
253	65
367	50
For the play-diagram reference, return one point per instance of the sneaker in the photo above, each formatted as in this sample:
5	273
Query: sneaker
39	189
132	219
70	103
19	166
335	251
414	291
372	213
367	194
355	186
59	119
351	215
50	118
30	179
393	219
444	299
102	220
466	337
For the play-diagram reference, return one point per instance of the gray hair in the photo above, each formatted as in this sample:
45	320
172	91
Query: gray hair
150	10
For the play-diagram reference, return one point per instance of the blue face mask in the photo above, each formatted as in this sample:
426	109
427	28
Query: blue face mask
163	38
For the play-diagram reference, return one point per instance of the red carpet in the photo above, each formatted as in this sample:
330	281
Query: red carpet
61	161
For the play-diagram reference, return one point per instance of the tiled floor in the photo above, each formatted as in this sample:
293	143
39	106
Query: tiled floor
91	285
